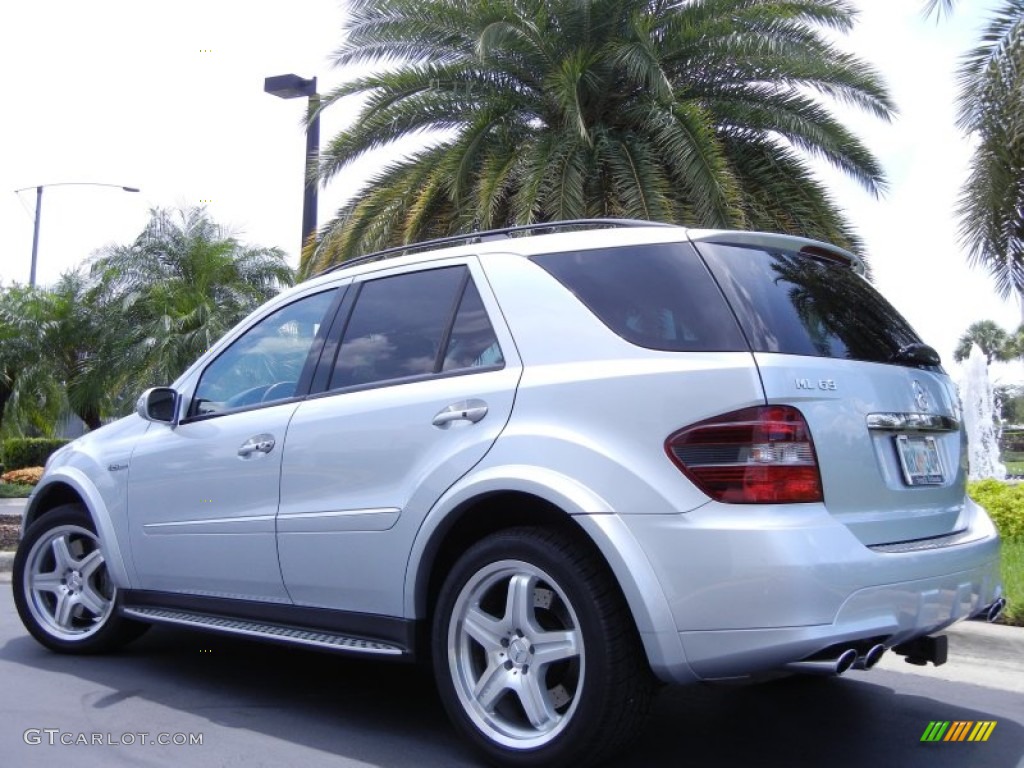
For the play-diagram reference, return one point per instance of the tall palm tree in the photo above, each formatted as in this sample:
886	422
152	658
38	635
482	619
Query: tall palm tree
703	112
47	339
181	285
991	108
24	395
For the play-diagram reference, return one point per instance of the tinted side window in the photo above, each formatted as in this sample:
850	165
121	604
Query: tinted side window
264	364
397	327
657	296
791	303
473	343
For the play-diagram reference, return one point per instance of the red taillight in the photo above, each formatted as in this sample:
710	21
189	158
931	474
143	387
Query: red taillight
761	455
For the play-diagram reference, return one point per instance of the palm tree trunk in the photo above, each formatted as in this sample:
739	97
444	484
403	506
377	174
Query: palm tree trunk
91	417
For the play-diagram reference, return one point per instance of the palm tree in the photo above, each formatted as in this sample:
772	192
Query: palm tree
32	399
178	288
991	108
990	338
703	112
80	340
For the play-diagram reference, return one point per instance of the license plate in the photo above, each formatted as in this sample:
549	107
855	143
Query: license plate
919	457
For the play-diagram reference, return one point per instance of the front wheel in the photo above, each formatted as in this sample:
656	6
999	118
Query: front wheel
62	590
536	656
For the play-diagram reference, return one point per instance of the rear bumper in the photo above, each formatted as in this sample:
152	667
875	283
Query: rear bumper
752	588
889	614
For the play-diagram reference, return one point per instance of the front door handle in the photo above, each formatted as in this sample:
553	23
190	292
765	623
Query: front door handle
468	410
256	444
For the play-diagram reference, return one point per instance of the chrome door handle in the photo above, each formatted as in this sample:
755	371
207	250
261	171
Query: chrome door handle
257	444
468	410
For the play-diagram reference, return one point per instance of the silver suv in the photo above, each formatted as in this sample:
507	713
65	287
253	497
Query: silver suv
561	463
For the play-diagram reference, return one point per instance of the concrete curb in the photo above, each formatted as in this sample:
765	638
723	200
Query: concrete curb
6	561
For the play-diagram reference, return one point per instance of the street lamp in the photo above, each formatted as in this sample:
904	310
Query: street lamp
290	87
39	208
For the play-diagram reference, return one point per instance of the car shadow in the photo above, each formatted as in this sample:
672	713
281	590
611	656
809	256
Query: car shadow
390	715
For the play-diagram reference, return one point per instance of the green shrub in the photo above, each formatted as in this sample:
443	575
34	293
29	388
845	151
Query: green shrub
14	491
1005	504
21	452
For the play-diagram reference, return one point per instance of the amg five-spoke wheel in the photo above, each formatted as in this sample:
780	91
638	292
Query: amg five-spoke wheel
518	652
535	653
62	588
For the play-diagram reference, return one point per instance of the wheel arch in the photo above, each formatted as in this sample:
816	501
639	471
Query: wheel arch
470	511
68	485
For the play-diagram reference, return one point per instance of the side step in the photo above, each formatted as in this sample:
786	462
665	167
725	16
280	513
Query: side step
317	638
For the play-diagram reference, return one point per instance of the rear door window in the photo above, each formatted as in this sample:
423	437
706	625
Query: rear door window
413	325
657	296
795	304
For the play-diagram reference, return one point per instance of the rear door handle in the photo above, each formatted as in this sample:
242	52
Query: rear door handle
256	444
468	410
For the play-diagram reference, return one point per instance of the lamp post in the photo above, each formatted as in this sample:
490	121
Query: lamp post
290	87
39	208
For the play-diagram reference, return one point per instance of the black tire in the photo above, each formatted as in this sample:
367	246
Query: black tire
533	602
62	589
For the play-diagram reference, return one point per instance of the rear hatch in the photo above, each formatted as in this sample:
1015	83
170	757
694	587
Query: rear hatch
883	415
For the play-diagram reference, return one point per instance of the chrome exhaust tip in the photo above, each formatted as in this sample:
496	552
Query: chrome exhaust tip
995	610
825	667
990	612
871	657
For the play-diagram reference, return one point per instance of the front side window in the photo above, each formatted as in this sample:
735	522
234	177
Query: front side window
265	363
415	324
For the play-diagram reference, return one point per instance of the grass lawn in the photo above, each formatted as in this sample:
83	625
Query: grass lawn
1014	467
14	491
1013	581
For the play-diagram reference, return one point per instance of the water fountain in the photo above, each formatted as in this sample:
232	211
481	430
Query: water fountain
979	410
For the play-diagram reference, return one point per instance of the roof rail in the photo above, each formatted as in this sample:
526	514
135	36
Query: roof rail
520	230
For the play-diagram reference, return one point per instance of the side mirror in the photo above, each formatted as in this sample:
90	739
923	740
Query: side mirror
158	404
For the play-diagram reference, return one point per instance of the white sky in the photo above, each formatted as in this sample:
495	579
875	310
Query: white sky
169	98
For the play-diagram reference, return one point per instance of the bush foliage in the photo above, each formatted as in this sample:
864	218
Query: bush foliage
24	476
1005	504
21	452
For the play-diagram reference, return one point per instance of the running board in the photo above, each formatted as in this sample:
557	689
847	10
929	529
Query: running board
317	638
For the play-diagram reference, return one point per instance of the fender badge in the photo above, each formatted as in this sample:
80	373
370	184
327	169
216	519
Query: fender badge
117	467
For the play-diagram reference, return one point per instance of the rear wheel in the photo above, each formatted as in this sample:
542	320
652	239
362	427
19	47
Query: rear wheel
535	652
62	589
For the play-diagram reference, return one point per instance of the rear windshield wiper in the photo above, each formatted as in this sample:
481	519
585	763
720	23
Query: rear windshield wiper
916	354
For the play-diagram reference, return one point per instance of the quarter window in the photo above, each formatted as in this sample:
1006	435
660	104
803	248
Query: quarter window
656	296
265	363
473	343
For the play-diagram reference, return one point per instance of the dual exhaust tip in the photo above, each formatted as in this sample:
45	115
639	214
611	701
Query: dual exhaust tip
991	612
843	662
922	650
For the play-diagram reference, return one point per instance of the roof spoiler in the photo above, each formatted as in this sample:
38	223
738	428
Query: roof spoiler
813	249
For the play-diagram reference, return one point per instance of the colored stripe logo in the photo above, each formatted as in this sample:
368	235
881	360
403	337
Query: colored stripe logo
958	730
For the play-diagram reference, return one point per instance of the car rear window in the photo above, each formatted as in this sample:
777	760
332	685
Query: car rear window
656	296
796	304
